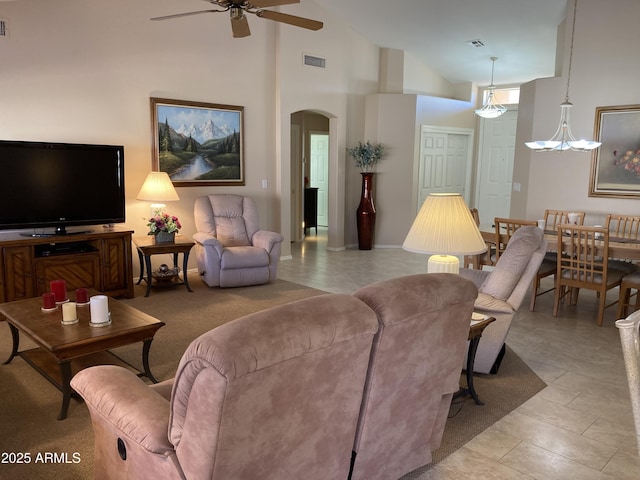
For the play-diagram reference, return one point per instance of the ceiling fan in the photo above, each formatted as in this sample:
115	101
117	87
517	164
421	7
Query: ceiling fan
238	9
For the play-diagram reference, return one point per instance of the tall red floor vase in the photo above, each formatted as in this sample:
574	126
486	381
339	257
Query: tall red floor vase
366	213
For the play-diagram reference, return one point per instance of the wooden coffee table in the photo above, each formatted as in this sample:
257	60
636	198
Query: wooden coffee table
63	350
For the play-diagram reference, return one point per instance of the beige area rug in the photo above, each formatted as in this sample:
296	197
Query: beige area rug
29	404
514	384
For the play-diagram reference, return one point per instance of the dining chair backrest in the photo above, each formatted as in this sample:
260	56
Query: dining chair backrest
505	228
486	258
584	263
623	226
476	215
585	253
553	218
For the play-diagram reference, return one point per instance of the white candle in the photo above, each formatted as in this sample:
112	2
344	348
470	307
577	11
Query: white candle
99	306
69	312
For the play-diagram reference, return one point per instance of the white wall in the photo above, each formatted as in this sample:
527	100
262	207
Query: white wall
604	73
351	66
395	120
84	70
420	79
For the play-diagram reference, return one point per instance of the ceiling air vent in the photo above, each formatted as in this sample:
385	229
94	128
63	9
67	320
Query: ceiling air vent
4	28
476	43
314	61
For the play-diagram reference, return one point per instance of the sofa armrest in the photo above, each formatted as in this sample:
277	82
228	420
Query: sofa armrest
118	397
488	304
265	239
208	240
476	276
163	389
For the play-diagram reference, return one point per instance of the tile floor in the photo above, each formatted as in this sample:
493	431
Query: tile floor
579	427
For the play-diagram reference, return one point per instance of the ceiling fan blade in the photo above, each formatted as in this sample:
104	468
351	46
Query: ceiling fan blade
271	3
290	19
240	26
167	17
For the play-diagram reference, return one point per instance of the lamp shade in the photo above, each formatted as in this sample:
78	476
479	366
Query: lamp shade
158	188
444	226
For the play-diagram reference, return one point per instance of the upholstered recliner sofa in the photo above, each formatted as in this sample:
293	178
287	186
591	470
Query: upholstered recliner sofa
230	249
413	372
502	290
290	392
274	395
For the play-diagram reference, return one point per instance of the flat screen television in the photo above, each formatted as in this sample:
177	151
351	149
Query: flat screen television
48	187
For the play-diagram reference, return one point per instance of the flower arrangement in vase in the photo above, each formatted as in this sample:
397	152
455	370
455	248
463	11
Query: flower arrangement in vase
164	227
366	156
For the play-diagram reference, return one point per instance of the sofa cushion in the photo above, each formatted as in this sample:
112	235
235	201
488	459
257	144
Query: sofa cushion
231	231
228	212
512	262
488	303
244	257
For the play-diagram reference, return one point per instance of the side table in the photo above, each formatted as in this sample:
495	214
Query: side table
147	246
478	323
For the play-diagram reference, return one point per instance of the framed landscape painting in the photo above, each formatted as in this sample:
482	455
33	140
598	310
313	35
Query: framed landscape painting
615	165
197	143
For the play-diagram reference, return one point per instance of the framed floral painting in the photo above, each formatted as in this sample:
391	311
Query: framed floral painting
615	165
197	143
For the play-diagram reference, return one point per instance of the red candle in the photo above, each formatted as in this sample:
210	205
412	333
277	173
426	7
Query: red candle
48	301
82	296
59	289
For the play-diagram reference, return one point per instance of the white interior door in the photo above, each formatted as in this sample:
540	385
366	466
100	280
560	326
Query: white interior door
319	171
495	166
445	161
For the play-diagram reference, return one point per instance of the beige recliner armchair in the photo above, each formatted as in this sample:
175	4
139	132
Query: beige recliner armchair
502	290
231	250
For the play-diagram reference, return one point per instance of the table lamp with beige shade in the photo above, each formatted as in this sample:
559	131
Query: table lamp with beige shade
158	188
445	229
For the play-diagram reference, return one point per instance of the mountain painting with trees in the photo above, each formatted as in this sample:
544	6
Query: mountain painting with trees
197	143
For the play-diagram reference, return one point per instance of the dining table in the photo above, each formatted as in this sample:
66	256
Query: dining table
620	247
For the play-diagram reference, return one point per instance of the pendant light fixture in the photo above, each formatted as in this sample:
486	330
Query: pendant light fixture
491	109
563	139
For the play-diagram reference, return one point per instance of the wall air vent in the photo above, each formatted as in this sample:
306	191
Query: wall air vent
476	43
313	61
4	28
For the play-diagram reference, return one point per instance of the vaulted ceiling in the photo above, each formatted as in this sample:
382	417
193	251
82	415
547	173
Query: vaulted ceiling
521	33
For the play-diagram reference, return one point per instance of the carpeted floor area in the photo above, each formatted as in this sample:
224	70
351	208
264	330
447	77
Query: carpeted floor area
30	404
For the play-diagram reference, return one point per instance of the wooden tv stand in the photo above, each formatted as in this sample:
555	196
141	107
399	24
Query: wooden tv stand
100	259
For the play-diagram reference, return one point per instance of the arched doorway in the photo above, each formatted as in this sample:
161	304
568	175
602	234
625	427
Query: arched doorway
310	152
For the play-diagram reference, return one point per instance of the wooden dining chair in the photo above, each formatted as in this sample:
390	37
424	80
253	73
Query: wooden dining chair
552	218
625	228
505	228
486	258
584	264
